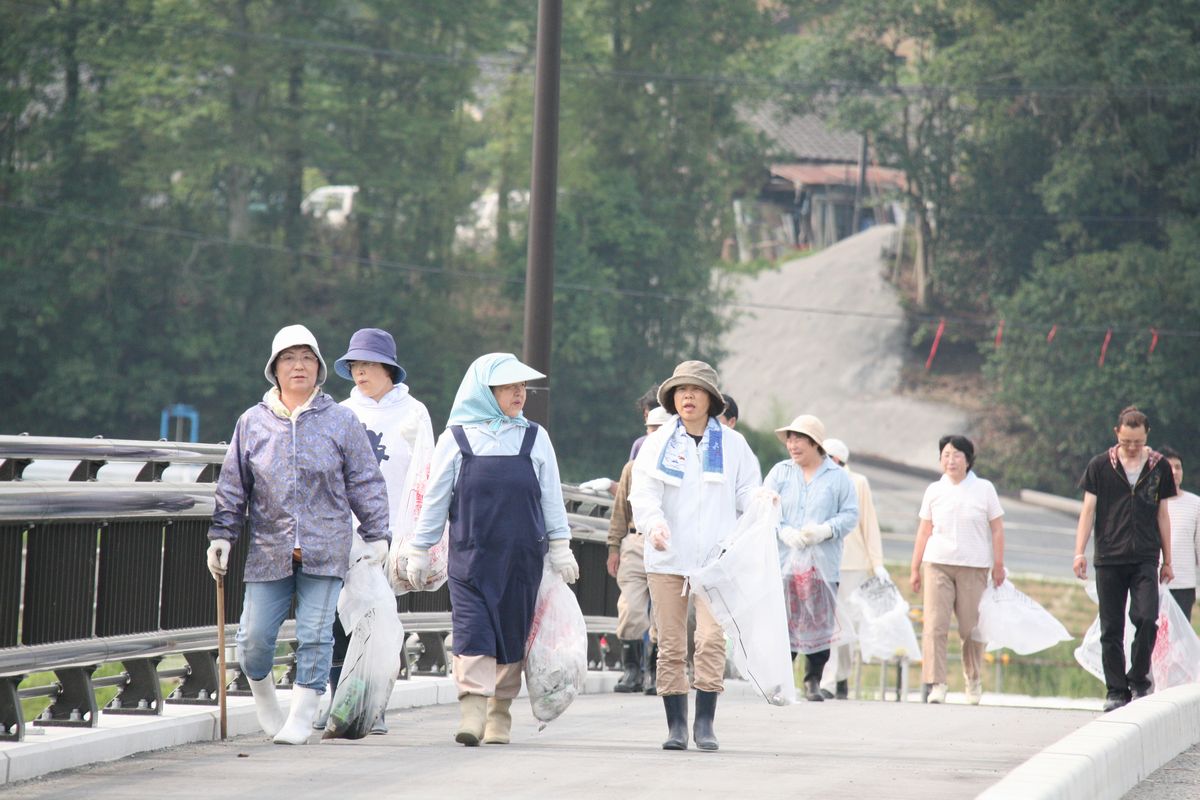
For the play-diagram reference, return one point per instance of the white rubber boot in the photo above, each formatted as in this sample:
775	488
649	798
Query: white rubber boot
266	704
299	723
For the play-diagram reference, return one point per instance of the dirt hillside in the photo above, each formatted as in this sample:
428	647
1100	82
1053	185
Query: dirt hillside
825	335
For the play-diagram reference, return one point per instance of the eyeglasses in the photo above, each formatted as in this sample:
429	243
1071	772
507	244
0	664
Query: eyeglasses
305	359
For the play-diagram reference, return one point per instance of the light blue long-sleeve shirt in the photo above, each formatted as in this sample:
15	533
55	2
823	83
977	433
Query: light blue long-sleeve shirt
828	498
447	459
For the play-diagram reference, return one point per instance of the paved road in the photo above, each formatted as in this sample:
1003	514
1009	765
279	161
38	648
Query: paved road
607	746
1038	540
1178	779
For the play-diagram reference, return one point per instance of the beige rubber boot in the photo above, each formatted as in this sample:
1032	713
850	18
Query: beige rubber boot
499	722
474	714
299	725
266	704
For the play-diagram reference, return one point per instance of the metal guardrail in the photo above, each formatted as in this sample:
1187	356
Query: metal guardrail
102	560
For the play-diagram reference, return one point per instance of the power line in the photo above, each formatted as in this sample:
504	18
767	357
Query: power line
513	64
575	287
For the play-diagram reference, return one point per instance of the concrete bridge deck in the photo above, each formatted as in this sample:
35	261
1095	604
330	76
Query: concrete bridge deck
606	745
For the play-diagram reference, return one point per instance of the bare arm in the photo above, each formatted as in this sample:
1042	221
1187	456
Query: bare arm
997	550
1166	574
924	531
1083	532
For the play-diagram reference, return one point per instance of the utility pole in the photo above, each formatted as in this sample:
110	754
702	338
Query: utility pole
860	186
543	191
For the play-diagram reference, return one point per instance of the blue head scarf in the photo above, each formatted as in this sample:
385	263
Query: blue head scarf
474	404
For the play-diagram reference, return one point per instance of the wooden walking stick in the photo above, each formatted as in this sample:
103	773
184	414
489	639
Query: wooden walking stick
221	653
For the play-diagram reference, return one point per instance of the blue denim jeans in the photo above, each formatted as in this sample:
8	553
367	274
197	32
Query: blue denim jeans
264	610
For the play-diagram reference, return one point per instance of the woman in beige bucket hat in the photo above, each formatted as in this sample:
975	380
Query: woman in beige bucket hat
820	507
691	479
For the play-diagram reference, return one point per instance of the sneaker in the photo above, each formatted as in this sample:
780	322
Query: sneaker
1138	694
974	692
1113	703
938	693
828	695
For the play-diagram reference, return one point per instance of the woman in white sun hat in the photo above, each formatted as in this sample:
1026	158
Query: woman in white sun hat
691	480
297	465
495	476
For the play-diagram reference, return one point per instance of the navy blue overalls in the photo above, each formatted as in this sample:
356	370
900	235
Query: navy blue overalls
497	548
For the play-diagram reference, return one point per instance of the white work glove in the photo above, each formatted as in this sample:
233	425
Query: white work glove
417	569
377	550
791	537
562	560
768	495
882	573
218	557
815	534
660	536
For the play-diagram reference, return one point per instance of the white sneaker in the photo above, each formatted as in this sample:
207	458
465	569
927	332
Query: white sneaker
938	693
974	692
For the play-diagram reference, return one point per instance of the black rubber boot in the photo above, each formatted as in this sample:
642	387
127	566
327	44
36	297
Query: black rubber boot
677	714
812	691
702	729
843	690
652	671
631	656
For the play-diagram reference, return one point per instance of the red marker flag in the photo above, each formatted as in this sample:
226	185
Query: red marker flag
999	333
1153	340
937	337
1053	332
1104	347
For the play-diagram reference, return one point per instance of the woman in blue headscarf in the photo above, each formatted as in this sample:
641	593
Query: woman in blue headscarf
495	476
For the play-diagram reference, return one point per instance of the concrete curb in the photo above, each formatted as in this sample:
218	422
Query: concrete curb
50	749
1111	755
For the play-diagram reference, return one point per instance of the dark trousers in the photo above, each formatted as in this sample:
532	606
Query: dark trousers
1186	599
1138	583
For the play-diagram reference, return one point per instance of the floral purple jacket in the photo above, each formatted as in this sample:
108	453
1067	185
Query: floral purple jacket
297	480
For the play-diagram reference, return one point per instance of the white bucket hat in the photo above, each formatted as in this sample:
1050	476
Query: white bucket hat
807	424
658	416
291	336
838	449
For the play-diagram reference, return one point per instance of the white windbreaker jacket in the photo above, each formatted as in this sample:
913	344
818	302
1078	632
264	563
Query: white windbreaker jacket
699	513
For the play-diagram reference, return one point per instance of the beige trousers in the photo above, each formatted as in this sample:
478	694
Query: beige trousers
633	605
951	589
670	609
482	675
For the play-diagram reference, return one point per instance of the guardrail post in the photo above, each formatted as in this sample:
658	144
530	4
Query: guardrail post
142	692
12	720
74	704
200	685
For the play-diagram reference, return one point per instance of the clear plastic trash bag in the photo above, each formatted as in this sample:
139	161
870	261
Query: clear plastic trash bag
814	622
367	607
416	482
744	592
556	650
1010	618
885	631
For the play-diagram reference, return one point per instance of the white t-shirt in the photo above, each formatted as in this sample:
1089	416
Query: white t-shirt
961	516
1184	510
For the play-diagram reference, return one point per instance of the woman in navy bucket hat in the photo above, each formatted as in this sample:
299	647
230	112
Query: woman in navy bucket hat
401	435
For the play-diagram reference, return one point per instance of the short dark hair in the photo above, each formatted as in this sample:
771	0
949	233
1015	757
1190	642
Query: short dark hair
648	401
715	403
731	409
961	443
1130	417
1170	452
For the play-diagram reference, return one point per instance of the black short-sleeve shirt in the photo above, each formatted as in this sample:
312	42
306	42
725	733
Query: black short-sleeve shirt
1127	516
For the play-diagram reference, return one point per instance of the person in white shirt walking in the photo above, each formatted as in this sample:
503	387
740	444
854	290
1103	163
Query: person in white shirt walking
691	480
862	557
960	536
1184	509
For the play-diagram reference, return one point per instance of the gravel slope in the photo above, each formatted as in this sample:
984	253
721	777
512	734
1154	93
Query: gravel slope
839	356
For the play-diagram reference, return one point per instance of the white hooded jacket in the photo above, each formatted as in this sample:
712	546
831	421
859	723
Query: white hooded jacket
402	437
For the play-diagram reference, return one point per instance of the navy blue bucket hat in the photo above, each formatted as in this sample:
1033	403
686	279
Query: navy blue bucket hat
371	344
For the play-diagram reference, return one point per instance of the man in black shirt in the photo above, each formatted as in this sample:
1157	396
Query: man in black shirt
1123	492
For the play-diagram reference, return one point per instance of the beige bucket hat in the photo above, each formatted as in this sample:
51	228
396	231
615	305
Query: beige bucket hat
692	373
807	424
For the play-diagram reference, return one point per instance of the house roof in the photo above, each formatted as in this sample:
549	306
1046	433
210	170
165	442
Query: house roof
801	137
837	175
